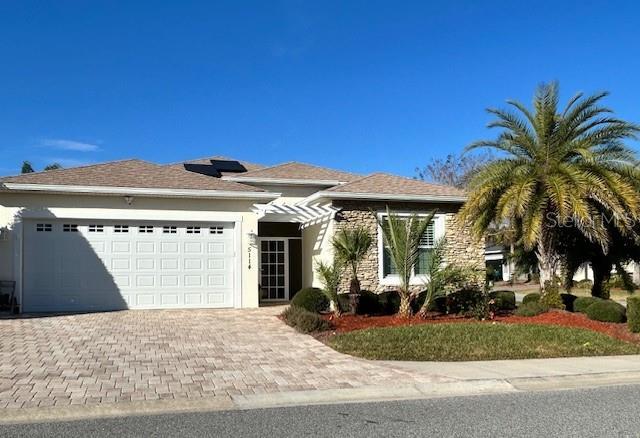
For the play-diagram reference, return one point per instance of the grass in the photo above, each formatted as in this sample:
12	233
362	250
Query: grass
477	341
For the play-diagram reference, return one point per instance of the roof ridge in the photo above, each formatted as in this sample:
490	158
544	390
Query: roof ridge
288	163
84	166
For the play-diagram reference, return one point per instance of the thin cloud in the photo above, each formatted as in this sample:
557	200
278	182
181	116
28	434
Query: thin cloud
70	145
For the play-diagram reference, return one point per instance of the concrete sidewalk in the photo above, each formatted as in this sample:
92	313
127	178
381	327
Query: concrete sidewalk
529	368
459	379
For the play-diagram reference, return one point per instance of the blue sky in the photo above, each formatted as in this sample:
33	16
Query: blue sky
357	85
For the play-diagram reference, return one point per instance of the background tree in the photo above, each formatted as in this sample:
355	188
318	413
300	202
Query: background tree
558	166
350	246
454	170
402	236
53	166
26	167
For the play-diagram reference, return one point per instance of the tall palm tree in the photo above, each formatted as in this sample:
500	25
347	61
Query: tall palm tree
558	167
351	246
402	236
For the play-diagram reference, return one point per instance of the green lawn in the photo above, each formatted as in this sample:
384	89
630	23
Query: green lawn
477	341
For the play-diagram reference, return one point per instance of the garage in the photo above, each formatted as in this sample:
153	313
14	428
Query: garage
93	265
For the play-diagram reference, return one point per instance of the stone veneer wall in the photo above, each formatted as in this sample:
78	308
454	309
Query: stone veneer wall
461	247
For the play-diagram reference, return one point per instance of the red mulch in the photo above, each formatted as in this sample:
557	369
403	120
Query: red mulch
347	323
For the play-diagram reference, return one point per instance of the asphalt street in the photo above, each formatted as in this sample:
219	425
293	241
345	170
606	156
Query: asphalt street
601	412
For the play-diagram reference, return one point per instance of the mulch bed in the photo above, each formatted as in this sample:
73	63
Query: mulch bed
348	323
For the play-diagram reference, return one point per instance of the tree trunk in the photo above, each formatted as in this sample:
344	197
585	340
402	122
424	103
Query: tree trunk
512	278
405	306
354	286
546	266
601	274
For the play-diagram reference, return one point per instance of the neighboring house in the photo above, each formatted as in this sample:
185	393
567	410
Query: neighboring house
205	233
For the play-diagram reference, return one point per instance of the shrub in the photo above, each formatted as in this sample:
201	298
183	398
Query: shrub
311	299
582	303
607	311
583	284
438	303
633	313
531	308
303	320
503	299
463	300
551	296
389	302
568	300
617	281
533	297
368	303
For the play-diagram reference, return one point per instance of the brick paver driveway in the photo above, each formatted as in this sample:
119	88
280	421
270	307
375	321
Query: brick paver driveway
169	354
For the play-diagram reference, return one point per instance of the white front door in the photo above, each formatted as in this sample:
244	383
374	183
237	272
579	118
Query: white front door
274	269
92	265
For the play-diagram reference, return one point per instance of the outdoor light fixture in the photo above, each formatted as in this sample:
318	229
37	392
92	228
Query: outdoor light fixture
128	199
253	238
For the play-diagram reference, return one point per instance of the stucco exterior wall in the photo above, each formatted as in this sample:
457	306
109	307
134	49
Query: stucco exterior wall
462	248
316	246
14	206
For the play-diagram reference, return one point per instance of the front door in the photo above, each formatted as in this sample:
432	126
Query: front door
274	267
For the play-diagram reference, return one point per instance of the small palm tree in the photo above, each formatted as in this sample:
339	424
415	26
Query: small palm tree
402	236
351	246
557	167
330	276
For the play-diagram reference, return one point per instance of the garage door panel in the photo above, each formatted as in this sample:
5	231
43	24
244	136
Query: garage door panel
106	266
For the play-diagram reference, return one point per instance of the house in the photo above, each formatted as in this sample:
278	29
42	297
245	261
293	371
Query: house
212	232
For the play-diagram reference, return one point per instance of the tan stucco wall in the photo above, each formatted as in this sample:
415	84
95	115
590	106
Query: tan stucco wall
316	246
13	206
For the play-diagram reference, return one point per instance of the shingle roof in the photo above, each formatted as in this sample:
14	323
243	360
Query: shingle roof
386	184
128	173
302	171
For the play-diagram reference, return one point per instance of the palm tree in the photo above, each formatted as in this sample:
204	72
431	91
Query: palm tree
402	236
557	168
351	245
330	275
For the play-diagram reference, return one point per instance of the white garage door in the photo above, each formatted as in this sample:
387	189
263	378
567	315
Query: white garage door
73	265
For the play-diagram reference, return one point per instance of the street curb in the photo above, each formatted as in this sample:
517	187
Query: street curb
367	394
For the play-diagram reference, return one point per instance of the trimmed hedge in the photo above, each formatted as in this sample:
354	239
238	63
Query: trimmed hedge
607	311
633	313
532	308
504	299
389	302
568	300
463	300
368	303
533	297
303	320
583	284
311	299
581	304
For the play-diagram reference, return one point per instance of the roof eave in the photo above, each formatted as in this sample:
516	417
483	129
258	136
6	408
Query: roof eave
383	197
140	191
285	181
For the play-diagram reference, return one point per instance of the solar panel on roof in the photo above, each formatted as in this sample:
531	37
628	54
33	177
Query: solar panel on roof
204	169
231	166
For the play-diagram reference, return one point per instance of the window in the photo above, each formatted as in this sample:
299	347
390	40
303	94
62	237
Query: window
145	229
193	230
427	243
70	228
44	227
121	228
215	230
170	229
96	228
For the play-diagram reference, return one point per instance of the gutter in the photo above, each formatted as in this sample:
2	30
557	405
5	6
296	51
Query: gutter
285	181
382	197
140	191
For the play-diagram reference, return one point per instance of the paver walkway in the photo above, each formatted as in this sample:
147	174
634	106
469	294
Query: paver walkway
171	354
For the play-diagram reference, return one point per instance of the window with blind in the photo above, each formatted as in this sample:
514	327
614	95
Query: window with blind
426	247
